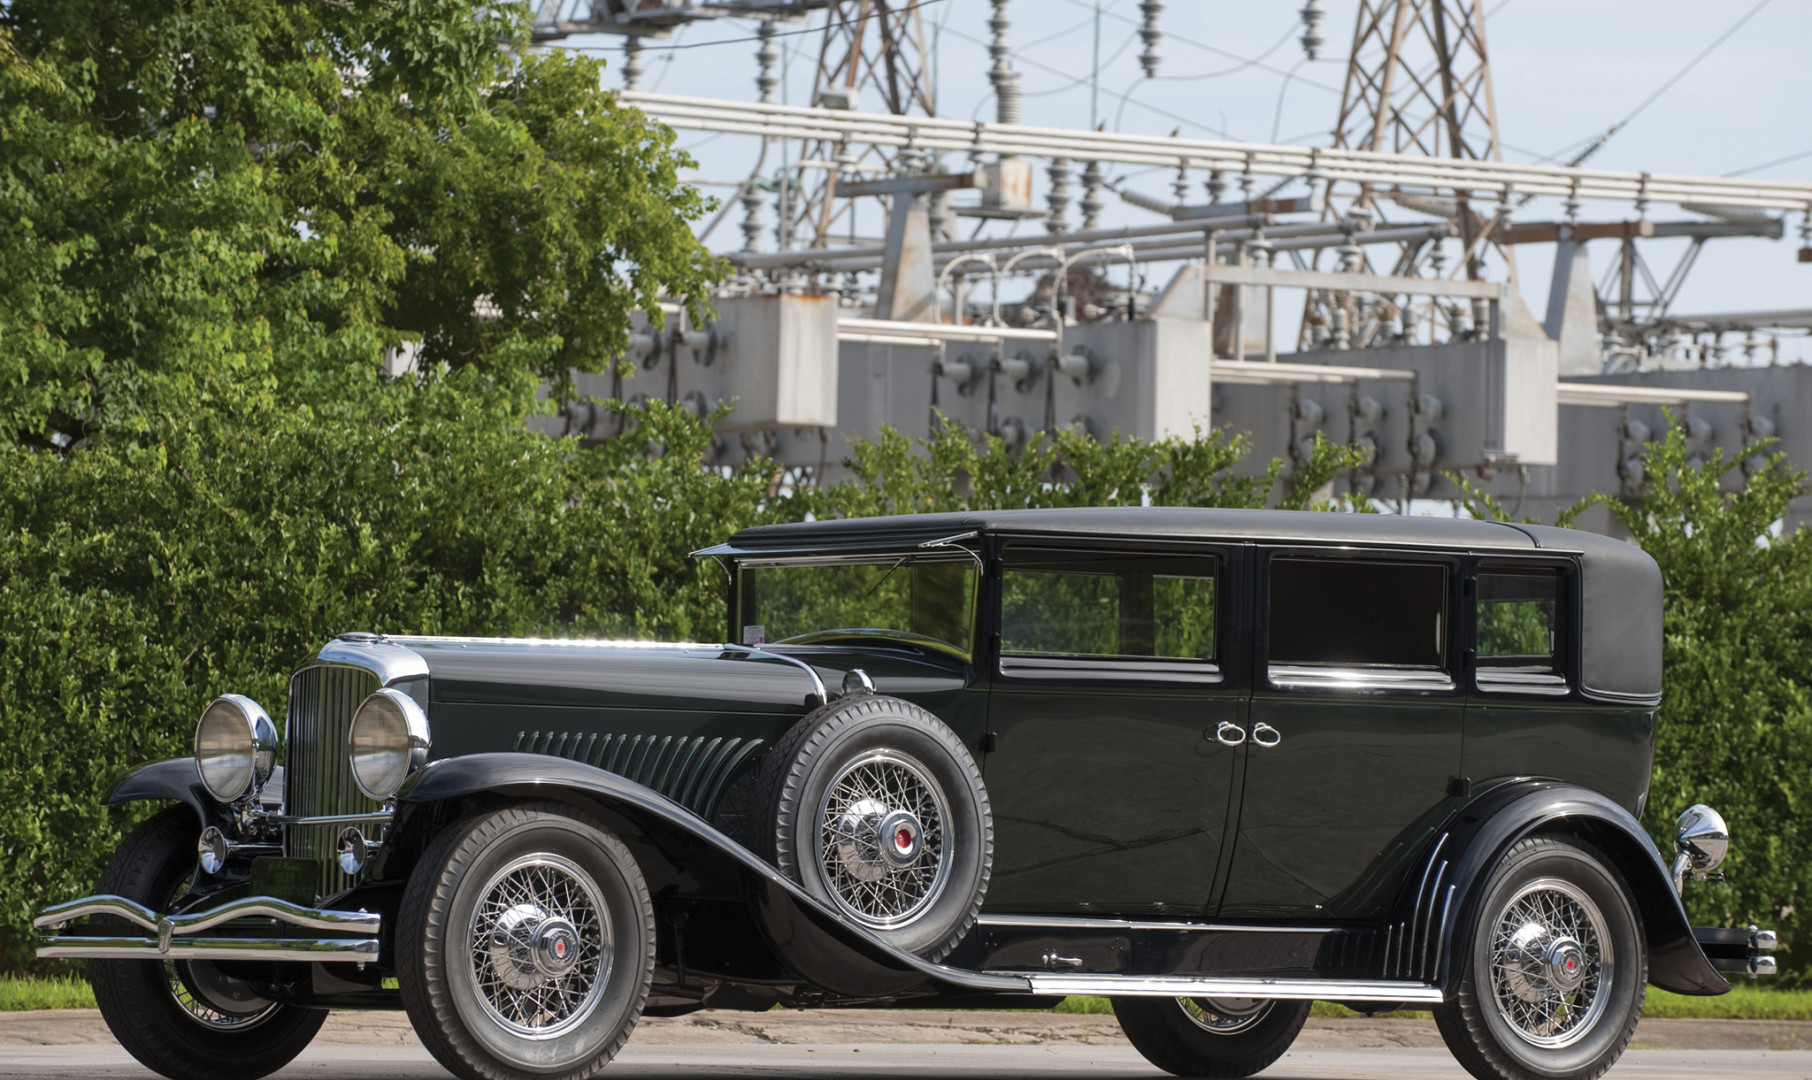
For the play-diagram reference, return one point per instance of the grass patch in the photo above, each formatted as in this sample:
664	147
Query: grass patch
1746	1001
55	992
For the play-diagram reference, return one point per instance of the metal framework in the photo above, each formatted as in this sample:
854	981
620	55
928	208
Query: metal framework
1418	81
868	45
1399	172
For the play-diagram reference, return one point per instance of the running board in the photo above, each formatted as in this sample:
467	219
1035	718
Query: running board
1193	986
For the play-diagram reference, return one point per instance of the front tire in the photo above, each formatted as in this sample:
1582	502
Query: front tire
1554	968
1210	1036
186	1021
526	945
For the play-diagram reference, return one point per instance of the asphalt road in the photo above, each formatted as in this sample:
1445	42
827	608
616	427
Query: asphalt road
864	1062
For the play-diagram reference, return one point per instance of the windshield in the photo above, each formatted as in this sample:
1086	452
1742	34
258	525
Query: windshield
927	601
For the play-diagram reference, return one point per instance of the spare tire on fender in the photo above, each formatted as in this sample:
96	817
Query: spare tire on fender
877	808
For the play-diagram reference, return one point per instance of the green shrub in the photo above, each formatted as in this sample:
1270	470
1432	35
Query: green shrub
136	583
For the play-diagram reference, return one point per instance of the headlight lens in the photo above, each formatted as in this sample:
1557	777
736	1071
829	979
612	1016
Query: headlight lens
235	747
388	741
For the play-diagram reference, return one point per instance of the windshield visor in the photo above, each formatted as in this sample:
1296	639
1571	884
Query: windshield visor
922	601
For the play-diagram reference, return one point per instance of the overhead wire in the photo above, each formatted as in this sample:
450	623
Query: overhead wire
779	33
1598	141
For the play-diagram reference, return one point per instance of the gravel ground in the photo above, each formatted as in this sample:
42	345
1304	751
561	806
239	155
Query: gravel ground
882	1026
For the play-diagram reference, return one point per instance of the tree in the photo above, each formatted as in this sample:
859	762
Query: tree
205	202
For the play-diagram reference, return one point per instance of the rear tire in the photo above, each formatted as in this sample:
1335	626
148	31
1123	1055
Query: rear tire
186	1021
525	946
1519	1012
1209	1036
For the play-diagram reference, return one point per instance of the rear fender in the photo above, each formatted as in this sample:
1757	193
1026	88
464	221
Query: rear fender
806	934
1478	835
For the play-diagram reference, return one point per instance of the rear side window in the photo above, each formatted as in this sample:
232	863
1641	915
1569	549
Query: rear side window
1080	604
1519	621
1358	614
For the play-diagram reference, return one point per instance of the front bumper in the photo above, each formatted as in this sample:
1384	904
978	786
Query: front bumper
251	929
1736	950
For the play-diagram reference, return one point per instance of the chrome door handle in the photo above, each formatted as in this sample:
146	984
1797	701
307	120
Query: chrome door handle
1229	733
1262	729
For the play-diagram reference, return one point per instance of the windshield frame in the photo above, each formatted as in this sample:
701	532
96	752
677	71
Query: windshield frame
893	559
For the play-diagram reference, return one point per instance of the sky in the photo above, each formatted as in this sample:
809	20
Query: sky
1563	72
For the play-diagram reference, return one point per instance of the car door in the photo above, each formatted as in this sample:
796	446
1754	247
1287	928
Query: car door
1356	724
1116	716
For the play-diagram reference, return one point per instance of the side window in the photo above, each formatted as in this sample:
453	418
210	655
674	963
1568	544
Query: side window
1358	614
1068	604
1519	629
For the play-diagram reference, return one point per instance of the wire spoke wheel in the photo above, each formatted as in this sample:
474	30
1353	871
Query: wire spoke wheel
540	946
1225	1016
882	839
207	997
1551	963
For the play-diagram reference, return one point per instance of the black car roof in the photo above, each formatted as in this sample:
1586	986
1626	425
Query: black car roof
1155	522
1621	585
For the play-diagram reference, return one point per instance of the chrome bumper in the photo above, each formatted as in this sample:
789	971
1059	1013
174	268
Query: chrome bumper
178	937
1738	951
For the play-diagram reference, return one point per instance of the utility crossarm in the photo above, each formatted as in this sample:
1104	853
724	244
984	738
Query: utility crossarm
1348	281
1254	373
1548	232
1484	179
1793	319
926	333
1614	395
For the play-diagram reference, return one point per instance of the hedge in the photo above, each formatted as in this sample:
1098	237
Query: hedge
138	582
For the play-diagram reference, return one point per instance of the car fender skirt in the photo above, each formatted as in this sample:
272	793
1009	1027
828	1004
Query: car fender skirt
807	935
1500	817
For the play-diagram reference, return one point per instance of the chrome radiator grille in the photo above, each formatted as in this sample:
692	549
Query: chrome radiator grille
317	776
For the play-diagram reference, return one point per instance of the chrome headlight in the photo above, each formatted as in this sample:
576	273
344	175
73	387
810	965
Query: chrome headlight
235	747
387	742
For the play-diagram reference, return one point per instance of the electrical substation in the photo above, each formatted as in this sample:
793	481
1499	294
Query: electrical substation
1363	290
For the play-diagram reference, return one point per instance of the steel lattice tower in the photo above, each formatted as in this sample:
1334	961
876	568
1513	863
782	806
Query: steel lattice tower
876	45
1418	81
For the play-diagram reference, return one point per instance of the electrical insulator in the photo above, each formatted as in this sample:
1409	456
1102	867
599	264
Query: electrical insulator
1311	28
1149	34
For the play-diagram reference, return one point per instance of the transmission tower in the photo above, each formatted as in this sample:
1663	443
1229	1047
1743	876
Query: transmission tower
868	45
1418	81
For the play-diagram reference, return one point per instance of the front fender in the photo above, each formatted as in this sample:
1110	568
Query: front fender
806	934
1479	835
175	779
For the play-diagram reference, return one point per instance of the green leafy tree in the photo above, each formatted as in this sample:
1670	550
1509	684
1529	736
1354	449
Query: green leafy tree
1735	724
206	202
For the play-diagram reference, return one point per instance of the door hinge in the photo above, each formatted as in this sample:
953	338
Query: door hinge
989	741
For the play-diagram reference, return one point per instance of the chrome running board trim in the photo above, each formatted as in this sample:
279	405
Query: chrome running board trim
1193	986
1064	922
172	934
307	950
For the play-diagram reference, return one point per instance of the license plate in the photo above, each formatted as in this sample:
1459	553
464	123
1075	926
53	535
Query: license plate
286	879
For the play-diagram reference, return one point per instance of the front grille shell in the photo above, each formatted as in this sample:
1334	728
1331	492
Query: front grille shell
318	774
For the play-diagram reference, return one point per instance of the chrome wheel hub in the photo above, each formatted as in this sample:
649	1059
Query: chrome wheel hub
1550	964
540	946
1225	1016
881	840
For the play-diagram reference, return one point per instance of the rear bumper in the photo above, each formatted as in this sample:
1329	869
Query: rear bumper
253	928
1736	950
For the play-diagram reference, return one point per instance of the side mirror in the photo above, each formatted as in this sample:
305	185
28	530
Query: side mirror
1701	841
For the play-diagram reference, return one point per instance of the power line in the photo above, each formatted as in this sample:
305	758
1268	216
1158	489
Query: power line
1055	71
1771	164
1599	140
779	33
1173	36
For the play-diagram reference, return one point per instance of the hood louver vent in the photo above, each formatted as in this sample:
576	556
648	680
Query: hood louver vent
692	770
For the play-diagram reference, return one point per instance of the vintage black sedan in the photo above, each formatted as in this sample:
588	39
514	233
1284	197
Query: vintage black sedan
1210	764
